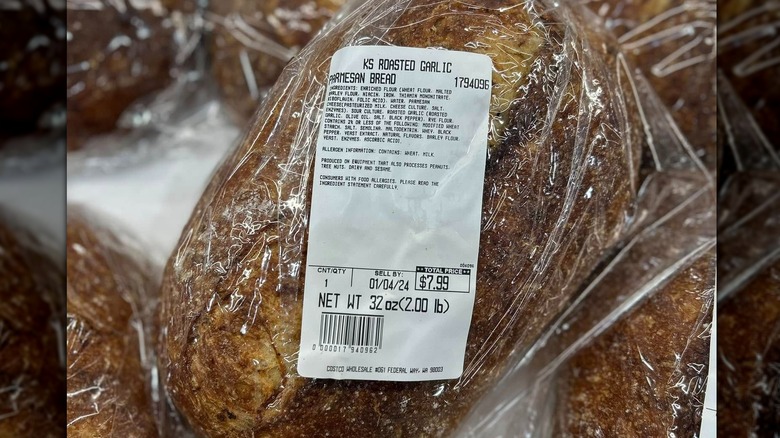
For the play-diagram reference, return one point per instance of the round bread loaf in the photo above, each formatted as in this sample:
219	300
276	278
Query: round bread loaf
118	52
559	190
32	311
111	303
32	63
253	40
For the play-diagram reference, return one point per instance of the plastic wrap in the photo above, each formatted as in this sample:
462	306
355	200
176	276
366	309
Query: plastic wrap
749	230
653	362
646	312
673	44
748	57
32	311
111	326
32	81
562	188
252	41
639	337
749	306
132	74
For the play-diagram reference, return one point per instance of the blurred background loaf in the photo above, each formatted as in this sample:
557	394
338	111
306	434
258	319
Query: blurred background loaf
32	67
32	316
119	52
110	332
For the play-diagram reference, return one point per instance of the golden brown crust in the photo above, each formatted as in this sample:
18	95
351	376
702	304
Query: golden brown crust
109	334
646	374
32	373
279	29
559	187
111	65
673	43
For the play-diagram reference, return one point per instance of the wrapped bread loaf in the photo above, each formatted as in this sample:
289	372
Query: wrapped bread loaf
749	350
559	189
630	356
110	338
673	44
646	374
32	311
32	64
252	41
749	305
131	53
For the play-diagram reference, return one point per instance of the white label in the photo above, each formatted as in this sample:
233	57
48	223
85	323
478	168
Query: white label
395	215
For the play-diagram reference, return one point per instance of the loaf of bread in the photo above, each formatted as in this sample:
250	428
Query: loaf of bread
645	375
32	64
673	43
560	185
253	40
32	319
749	357
749	306
110	338
746	49
118	52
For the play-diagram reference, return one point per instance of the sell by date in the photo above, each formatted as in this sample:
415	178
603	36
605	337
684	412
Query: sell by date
388	284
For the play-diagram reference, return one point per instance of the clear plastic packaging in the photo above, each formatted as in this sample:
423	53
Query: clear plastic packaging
653	361
639	331
580	157
32	82
673	44
748	248
32	312
251	42
747	56
131	76
111	327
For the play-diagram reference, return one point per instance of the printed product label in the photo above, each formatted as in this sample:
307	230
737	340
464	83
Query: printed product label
395	215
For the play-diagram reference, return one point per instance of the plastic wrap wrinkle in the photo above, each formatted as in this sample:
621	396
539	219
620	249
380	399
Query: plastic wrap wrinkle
673	44
251	42
749	58
560	190
32	362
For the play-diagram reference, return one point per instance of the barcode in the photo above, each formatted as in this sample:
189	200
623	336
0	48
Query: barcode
351	330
